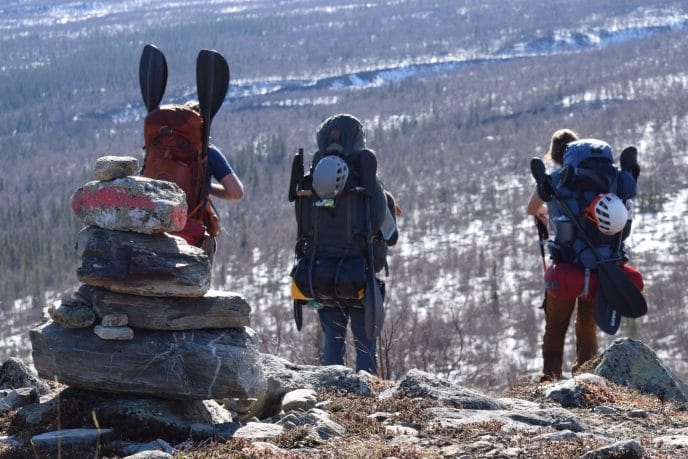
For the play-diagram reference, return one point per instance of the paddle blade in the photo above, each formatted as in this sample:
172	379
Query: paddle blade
298	314
152	76
629	161
537	169
620	291
373	304
212	81
368	162
296	174
606	317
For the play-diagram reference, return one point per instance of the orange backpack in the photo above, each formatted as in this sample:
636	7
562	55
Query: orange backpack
174	152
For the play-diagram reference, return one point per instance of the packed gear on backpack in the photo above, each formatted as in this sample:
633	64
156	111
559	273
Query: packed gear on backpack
587	173
567	282
174	145
330	205
600	197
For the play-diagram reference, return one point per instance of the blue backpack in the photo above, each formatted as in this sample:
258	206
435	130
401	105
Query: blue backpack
588	171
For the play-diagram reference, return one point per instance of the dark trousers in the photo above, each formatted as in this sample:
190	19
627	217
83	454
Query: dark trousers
334	321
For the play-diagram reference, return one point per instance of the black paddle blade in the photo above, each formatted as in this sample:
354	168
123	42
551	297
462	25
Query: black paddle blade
368	162
629	161
373	304
152	76
298	314
372	301
212	81
296	174
620	291
537	168
606	317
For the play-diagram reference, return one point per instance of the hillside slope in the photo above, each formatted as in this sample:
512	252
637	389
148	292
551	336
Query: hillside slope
456	101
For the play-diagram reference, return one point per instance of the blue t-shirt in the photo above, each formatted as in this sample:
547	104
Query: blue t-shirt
217	166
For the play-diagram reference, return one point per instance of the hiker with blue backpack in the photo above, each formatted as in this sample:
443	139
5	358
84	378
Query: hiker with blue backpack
587	202
345	223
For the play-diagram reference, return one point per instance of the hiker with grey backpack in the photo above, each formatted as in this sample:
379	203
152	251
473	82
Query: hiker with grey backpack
345	223
587	201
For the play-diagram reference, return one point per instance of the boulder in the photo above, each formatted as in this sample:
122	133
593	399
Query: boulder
142	264
570	392
200	364
283	376
15	374
300	399
145	418
627	449
138	204
132	448
517	420
215	309
631	363
417	383
114	167
259	431
72	312
17	398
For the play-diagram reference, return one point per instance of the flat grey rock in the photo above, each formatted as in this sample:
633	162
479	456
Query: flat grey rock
114	333
215	309
71	442
201	364
142	264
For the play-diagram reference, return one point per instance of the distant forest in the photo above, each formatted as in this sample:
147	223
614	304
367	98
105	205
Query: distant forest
453	146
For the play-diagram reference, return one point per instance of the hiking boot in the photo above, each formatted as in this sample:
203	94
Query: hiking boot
551	366
548	379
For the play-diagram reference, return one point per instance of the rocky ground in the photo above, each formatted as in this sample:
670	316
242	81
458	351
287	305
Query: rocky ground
625	421
332	412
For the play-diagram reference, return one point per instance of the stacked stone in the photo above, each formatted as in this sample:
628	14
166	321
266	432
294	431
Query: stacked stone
144	320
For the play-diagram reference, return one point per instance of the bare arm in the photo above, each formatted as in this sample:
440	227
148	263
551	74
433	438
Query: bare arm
230	187
537	208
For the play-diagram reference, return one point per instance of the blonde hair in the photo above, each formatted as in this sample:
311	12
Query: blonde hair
557	146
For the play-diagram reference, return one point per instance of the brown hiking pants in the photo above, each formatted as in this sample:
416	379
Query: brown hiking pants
557	317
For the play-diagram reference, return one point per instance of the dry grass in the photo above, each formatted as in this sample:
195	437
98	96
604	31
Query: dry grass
365	437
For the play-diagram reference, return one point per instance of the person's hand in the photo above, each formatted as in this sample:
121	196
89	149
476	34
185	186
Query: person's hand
542	216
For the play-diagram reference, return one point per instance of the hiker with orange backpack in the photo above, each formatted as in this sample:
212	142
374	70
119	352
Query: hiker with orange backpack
177	142
227	185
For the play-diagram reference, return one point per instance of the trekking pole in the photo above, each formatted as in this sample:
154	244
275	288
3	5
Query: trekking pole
543	236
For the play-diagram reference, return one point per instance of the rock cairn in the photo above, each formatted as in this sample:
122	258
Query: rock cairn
144	320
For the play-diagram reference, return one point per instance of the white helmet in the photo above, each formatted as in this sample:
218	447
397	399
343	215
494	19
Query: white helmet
329	176
608	212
